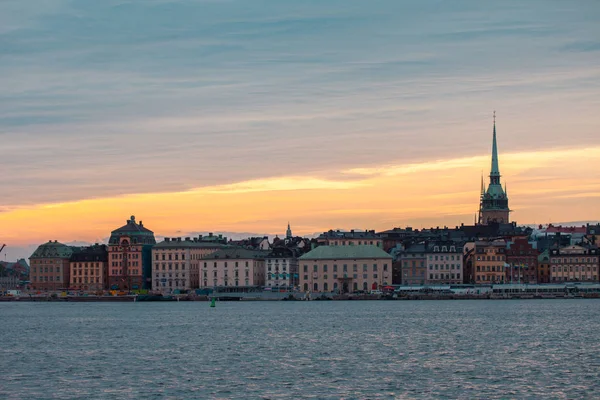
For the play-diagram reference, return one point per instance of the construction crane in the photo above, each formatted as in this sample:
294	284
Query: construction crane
2	248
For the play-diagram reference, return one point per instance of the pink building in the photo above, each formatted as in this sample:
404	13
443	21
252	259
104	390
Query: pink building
176	263
233	267
345	269
129	256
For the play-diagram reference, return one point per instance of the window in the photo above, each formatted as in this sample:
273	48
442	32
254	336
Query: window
316	287
306	268
325	268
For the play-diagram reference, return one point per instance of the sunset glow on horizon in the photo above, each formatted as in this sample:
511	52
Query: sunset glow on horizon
240	116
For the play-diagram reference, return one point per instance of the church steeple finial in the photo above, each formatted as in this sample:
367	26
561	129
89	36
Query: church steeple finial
495	168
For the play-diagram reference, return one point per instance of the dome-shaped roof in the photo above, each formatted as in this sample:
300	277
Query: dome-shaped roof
136	231
53	249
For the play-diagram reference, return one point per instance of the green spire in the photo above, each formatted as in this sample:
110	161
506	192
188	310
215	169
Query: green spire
495	168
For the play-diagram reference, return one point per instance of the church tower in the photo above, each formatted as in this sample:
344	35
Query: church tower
493	207
288	233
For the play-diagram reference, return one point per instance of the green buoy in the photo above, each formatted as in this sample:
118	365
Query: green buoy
213	302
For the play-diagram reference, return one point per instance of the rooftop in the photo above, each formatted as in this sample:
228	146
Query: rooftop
236	253
53	249
345	252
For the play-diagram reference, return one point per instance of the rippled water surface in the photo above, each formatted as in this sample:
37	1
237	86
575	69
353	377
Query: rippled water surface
352	350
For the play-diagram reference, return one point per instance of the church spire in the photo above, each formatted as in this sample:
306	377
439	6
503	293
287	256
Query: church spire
495	172
288	233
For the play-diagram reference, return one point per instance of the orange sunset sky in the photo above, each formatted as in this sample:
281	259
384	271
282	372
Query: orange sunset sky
240	119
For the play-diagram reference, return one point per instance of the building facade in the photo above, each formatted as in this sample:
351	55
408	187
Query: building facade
49	266
574	264
444	263
233	267
522	260
281	269
176	263
493	206
489	262
345	269
88	268
413	261
130	257
543	267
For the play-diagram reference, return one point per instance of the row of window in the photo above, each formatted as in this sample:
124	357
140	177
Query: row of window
486	268
442	276
335	276
129	264
345	268
575	260
47	279
226	283
120	272
80	264
570	269
45	269
491	258
85	272
236	273
489	278
170	256
446	257
441	266
170	275
119	256
164	267
85	280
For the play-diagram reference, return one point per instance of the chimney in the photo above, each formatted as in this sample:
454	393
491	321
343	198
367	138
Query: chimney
141	223
179	239
187	239
167	239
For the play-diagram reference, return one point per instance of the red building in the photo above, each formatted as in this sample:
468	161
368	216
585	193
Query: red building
522	262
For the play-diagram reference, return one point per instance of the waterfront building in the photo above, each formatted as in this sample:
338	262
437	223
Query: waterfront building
543	267
176	262
345	268
488	262
9	283
233	267
281	268
50	266
352	238
88	268
413	261
522	260
444	263
130	256
493	207
574	263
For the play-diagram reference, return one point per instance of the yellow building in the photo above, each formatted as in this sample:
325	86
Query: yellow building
488	262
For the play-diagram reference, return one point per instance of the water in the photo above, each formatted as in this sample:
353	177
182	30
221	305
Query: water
275	350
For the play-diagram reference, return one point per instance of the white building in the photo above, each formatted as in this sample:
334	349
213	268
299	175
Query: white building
176	263
281	269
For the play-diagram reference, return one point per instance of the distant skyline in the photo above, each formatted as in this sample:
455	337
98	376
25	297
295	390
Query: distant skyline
239	115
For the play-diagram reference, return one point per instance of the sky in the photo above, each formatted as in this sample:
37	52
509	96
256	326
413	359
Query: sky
242	115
